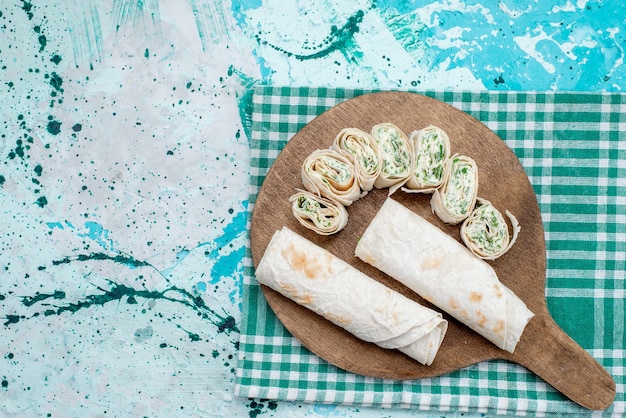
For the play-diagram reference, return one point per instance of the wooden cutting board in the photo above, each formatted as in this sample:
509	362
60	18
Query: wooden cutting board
544	348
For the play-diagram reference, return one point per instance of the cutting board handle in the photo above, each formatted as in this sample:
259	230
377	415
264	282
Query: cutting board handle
550	353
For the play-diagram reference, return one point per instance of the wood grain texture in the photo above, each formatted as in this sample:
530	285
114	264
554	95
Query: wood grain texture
544	348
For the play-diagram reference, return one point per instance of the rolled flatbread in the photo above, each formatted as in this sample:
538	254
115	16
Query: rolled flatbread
318	214
454	200
421	256
361	148
431	152
486	233
318	280
395	151
330	174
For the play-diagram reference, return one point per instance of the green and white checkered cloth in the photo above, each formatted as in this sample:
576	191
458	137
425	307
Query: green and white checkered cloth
573	148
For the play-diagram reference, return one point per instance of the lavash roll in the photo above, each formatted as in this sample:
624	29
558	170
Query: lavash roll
486	233
455	199
317	213
362	149
330	174
318	280
421	256
431	152
395	151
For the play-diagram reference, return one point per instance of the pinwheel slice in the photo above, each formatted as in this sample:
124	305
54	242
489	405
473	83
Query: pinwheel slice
361	148
486	233
317	213
395	151
318	280
455	199
330	174
431	152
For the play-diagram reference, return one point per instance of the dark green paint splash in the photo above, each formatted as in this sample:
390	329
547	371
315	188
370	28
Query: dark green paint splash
54	127
56	82
39	297
27	7
118	258
339	39
41	201
55	303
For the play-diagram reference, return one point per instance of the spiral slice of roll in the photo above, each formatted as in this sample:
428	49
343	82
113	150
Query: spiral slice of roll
318	214
486	233
332	175
395	150
361	148
455	199
431	152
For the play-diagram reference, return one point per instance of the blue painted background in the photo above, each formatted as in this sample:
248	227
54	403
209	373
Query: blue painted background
124	157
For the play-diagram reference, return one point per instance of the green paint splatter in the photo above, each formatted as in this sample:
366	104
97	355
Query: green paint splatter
27	7
338	39
56	58
12	319
2	180
42	42
117	292
18	151
245	99
258	407
31	300
56	82
77	127
38	170
42	201
119	258
146	54
54	127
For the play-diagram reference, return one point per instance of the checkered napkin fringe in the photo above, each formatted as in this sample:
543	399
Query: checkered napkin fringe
573	148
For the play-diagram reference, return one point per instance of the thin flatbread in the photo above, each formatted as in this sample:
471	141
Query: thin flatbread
421	256
318	280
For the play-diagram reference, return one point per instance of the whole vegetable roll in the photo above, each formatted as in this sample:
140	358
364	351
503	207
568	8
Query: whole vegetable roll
395	151
332	175
485	232
431	152
361	148
319	214
318	280
421	256
455	199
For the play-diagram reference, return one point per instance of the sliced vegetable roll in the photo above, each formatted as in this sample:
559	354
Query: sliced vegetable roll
395	150
431	152
332	175
455	199
486	233
361	148
317	213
